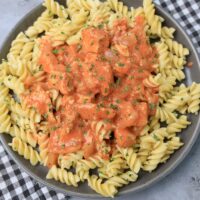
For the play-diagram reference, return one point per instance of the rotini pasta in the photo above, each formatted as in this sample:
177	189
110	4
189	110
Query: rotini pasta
156	154
26	137
152	19
17	45
176	48
5	121
131	158
13	83
115	166
56	8
172	145
193	103
43	141
25	150
105	189
63	176
69	160
42	24
123	179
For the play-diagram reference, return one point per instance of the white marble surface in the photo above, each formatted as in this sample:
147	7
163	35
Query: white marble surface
181	184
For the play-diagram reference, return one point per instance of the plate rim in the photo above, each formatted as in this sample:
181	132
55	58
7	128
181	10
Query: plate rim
149	183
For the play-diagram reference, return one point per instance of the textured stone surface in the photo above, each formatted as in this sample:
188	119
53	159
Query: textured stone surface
181	184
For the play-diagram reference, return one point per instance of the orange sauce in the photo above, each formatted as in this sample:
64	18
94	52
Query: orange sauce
100	79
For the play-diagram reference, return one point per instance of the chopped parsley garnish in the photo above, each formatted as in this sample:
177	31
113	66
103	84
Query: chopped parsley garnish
138	87
100	26
118	81
114	107
68	68
45	115
107	120
40	68
103	58
121	64
126	88
63	146
152	106
85	133
53	128
91	68
156	137
140	70
101	78
100	105
135	101
107	112
55	51
85	101
62	32
106	90
118	101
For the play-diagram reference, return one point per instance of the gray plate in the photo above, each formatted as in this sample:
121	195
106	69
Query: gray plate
189	135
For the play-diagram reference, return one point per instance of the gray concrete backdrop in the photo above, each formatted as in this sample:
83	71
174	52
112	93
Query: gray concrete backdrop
181	184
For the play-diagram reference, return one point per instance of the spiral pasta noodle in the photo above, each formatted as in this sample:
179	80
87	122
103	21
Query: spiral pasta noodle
178	125
156	154
134	12
154	124
63	176
164	60
14	84
25	136
22	110
83	166
194	98
172	145
164	114
132	160
69	160
5	121
152	19
115	166
25	150
4	91
43	141
123	179
56	8
42	24
106	190
118	7
177	62
23	122
177	48
17	45
146	145
167	32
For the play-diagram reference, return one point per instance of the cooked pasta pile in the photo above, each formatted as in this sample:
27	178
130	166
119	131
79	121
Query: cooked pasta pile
96	87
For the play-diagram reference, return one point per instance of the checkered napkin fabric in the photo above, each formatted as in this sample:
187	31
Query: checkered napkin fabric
17	185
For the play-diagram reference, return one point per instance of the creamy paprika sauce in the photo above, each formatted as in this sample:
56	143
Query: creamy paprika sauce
101	80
